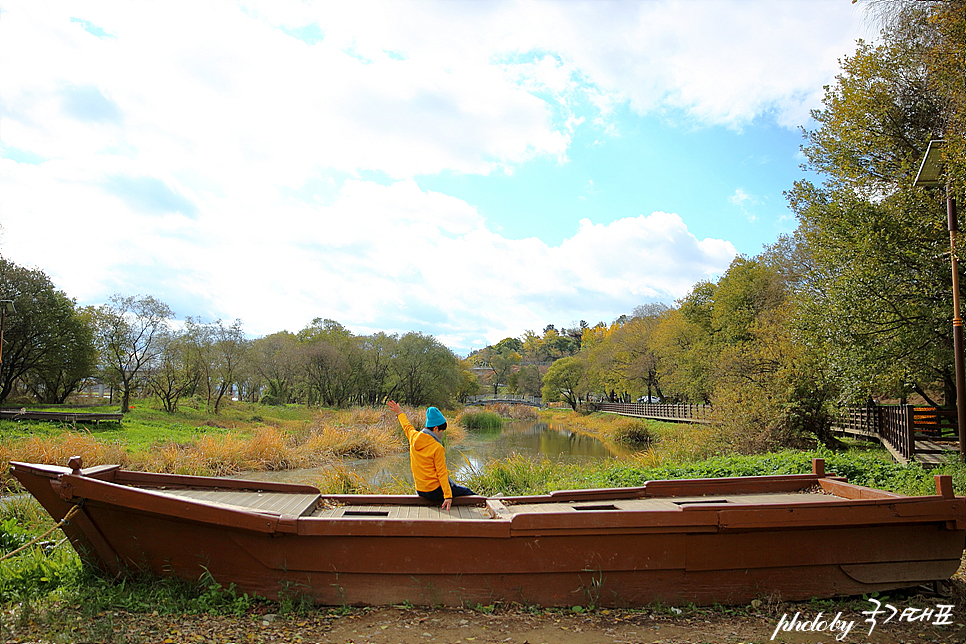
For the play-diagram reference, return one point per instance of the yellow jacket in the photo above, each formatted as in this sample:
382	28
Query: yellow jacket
427	458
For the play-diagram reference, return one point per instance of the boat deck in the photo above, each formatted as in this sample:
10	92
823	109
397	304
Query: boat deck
276	502
316	506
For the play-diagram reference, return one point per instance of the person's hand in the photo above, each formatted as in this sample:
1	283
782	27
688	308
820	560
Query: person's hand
394	407
447	504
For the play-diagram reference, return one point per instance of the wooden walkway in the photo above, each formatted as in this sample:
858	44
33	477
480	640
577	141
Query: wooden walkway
928	452
61	416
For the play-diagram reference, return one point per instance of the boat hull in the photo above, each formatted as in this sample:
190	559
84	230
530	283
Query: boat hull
703	553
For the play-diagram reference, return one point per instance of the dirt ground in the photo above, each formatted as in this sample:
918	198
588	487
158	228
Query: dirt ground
909	622
408	625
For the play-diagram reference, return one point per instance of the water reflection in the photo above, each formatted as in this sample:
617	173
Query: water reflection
527	438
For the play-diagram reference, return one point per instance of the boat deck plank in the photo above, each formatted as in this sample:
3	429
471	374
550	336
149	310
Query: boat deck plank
278	502
479	513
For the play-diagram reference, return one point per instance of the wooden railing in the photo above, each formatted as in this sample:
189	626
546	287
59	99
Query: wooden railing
896	426
660	411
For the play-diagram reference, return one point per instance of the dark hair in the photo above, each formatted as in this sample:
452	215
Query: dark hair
440	427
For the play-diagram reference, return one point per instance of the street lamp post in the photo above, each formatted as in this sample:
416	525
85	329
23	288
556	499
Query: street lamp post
930	175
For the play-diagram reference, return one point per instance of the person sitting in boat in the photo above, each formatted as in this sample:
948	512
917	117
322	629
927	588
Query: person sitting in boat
427	458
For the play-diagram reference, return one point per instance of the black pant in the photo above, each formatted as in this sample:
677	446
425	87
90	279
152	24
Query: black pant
437	494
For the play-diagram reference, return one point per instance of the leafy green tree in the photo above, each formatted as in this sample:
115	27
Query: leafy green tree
333	363
635	359
509	345
501	366
60	373
279	362
683	346
527	381
378	351
566	380
533	348
47	344
424	372
229	354
129	334
469	384
876	297
177	370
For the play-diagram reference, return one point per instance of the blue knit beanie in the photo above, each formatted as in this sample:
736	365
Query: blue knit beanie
434	418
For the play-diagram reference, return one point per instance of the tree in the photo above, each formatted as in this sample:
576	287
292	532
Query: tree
177	370
229	352
46	341
635	359
278	361
423	371
469	384
527	380
500	360
59	373
566	379
377	352
533	349
682	343
129	333
875	297
333	364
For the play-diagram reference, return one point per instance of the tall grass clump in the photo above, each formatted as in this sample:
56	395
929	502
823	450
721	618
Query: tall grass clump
480	419
632	431
339	479
519	475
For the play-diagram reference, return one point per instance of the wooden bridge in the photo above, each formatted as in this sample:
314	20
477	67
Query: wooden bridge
506	399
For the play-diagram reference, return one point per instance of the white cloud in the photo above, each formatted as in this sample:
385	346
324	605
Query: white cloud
391	258
745	202
202	153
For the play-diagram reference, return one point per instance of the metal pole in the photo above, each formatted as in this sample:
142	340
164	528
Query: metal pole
957	326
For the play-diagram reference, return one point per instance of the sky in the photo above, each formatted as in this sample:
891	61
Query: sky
467	169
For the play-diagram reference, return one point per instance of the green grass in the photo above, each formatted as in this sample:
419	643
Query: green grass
144	425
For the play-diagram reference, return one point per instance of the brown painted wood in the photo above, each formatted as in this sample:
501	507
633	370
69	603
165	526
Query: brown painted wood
701	541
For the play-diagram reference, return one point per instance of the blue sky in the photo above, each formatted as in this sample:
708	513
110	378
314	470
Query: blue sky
465	169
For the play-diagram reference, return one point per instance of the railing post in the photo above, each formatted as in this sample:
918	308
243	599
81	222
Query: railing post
910	432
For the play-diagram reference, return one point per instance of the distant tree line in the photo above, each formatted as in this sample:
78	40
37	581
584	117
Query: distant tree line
133	345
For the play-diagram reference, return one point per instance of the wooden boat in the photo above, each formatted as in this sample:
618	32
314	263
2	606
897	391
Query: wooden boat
727	540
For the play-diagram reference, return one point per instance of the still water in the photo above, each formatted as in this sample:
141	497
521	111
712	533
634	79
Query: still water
527	438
